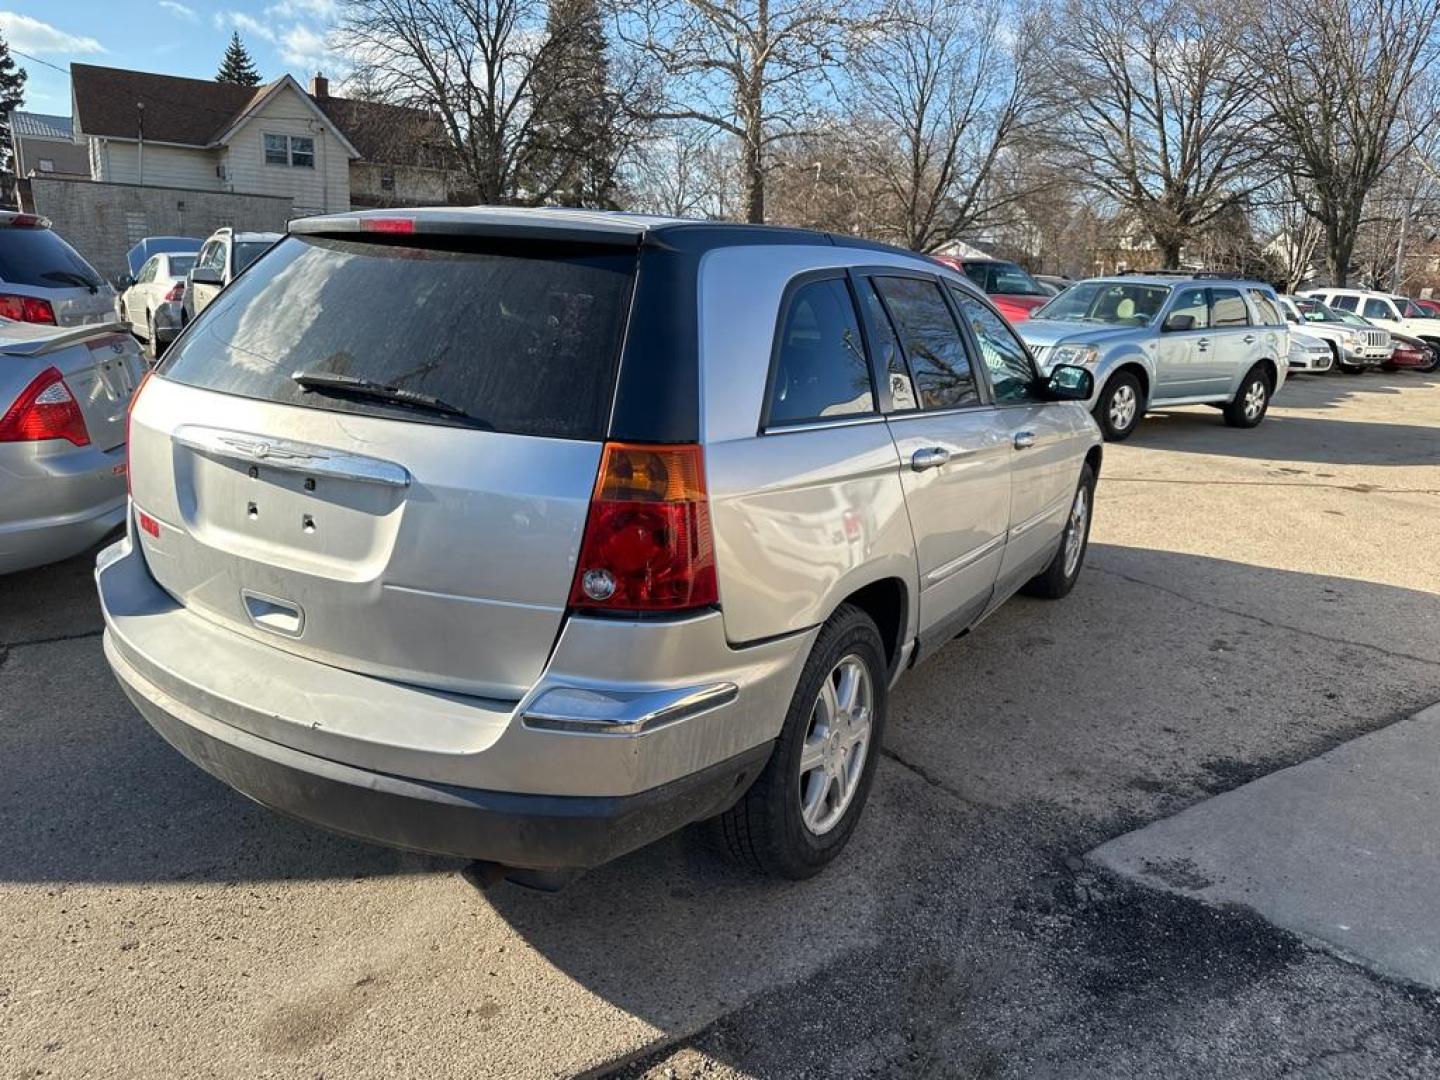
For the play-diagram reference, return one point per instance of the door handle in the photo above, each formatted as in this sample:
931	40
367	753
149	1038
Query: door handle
1024	440
932	457
1202	344
1249	339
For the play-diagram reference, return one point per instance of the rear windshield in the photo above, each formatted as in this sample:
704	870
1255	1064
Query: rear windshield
180	265
523	343
39	257
1003	279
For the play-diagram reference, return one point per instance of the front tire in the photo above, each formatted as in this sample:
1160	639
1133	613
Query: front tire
802	808
1120	407
1251	402
1057	579
1434	364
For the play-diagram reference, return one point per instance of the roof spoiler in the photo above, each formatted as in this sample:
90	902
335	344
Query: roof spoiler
497	224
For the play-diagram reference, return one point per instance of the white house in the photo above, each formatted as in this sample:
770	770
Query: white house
278	139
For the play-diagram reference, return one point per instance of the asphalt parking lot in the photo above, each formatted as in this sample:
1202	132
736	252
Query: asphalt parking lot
1252	599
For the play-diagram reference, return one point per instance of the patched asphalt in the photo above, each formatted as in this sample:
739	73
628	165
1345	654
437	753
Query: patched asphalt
1253	599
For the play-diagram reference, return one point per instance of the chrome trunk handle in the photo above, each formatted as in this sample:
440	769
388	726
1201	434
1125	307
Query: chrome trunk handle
290	456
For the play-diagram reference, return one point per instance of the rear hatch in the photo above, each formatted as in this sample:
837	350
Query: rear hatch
413	505
35	262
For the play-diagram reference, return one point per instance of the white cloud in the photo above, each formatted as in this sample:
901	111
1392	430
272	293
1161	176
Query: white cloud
307	49
248	24
325	10
33	36
179	10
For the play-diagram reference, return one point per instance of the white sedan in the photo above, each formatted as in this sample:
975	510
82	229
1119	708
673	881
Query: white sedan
150	305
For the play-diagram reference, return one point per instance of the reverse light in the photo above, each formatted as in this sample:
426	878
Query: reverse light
45	410
648	544
31	309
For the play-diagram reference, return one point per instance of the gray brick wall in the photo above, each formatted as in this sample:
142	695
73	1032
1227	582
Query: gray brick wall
103	221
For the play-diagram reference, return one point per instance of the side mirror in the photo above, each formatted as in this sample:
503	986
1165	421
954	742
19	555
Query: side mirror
1069	383
205	275
1179	321
123	282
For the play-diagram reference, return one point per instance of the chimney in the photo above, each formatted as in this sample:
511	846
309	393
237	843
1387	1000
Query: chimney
319	86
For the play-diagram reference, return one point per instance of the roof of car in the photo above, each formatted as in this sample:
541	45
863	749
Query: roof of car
1178	278
564	223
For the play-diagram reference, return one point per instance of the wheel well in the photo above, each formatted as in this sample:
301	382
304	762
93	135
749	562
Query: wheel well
1141	376
1092	458
1270	371
885	602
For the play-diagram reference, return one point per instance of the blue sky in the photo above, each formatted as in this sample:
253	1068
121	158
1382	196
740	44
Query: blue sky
174	37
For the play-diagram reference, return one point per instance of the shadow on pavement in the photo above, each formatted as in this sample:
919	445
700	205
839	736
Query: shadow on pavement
1292	438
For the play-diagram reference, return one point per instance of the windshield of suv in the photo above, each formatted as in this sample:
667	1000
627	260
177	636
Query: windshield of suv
247	251
39	257
1315	311
1002	279
525	340
1118	303
1349	318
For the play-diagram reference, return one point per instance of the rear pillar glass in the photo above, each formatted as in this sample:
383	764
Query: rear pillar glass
524	339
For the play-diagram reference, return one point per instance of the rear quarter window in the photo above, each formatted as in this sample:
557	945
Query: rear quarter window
525	342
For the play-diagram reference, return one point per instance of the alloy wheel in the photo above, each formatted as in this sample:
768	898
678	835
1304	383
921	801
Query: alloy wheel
1075	531
837	742
1123	404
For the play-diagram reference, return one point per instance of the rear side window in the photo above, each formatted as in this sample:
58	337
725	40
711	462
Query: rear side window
1267	307
38	257
820	367
1345	303
887	344
524	342
932	342
1228	308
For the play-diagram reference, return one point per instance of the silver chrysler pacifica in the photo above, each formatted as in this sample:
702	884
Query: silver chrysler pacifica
532	536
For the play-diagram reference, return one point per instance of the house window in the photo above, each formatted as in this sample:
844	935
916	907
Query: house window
302	151
46	165
387	180
296	150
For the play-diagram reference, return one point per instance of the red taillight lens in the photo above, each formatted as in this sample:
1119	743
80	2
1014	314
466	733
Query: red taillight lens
177	291
45	410
26	309
647	544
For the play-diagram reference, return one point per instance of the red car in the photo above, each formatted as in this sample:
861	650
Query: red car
1014	292
1430	307
1411	353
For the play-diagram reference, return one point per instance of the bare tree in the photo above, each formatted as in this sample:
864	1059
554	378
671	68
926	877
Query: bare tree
943	90
684	170
750	69
1337	75
473	64
1156	107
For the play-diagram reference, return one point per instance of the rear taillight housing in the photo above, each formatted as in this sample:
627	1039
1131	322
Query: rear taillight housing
177	292
648	545
45	410
30	309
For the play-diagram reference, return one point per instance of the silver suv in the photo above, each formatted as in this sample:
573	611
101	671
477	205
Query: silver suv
1158	340
531	536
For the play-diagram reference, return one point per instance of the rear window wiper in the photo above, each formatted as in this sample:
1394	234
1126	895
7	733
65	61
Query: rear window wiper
329	382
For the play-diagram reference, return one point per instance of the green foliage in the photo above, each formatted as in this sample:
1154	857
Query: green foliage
237	67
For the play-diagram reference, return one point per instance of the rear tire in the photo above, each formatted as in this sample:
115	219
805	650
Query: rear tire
1434	364
152	344
1251	401
1057	579
1120	407
794	820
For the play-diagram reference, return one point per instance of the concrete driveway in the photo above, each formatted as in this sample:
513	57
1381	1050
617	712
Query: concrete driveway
1252	599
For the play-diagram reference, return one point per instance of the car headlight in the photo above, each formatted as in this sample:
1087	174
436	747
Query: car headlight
1079	355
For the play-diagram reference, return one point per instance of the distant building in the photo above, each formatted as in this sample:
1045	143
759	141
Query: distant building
45	144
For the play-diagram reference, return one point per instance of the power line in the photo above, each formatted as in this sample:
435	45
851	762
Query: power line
37	60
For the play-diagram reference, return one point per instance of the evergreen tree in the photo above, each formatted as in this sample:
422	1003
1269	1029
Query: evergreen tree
574	143
12	96
237	67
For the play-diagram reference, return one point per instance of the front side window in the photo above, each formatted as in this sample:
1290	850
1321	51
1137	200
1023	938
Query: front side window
932	342
1228	308
1011	373
1194	303
247	251
1377	309
820	366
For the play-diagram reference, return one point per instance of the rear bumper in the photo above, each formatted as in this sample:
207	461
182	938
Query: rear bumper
578	771
56	501
531	831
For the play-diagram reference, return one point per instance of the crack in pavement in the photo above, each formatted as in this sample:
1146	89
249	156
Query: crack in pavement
7	645
1358	488
929	777
1210	605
